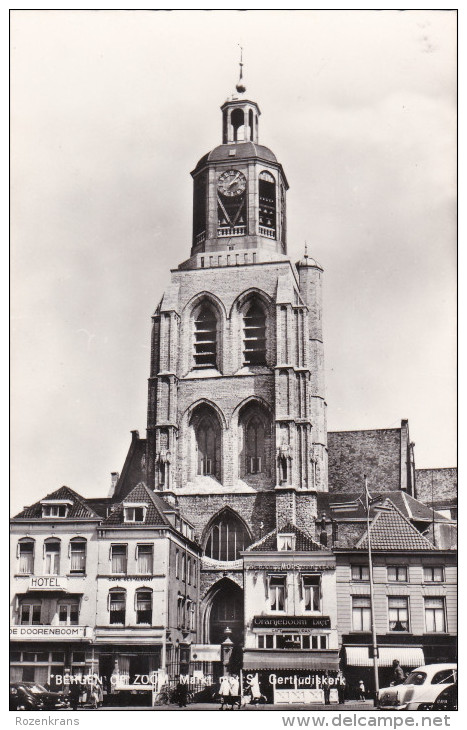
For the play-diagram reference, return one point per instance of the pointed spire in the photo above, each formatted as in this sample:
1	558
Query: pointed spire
241	88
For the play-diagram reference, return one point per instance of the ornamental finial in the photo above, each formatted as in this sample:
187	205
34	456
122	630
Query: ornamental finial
241	88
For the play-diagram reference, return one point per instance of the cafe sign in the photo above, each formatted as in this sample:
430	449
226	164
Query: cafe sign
47	583
47	633
291	622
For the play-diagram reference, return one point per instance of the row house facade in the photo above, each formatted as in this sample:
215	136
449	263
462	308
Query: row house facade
115	595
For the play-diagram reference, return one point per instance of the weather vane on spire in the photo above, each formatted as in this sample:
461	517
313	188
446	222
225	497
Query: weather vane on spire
306	250
241	88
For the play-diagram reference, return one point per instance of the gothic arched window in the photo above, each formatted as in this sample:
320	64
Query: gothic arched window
254	446
227	537
254	323
207	435
205	354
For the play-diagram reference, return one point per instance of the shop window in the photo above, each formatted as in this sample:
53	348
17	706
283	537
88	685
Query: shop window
117	606
68	613
118	557
134	513
205	345
78	657
227	537
361	613
277	592
26	556
398	612
30	613
286	542
311	592
254	343
144	607
52	557
433	574
360	572
435	620
397	573
78	556
144	555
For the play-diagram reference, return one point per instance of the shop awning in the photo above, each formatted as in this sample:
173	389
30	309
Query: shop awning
293	660
408	656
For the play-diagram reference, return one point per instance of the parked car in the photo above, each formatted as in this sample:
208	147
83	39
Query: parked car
33	696
420	689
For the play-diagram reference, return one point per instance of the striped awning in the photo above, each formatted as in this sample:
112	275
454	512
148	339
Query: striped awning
304	660
408	656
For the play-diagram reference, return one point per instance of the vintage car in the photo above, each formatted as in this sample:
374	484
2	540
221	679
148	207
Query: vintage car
420	689
446	700
33	696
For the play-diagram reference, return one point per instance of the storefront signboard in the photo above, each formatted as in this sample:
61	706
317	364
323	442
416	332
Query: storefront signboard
46	633
47	583
292	622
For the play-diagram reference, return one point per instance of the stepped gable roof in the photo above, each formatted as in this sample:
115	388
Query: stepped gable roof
390	530
243	150
80	509
345	505
156	507
303	542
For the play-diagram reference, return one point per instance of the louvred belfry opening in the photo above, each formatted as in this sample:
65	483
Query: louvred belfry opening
255	336
206	338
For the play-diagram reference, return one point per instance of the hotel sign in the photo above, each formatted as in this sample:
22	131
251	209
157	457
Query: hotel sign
46	633
47	583
291	622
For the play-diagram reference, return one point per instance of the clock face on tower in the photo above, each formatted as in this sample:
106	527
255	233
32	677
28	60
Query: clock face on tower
231	183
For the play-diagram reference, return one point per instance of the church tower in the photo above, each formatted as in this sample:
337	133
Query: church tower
236	410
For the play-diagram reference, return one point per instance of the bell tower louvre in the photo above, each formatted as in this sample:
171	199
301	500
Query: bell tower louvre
236	409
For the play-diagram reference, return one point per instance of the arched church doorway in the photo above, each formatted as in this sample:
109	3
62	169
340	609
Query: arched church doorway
225	611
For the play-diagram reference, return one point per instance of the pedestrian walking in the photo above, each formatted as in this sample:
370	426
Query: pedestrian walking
398	674
326	689
361	690
341	686
224	691
234	691
182	694
255	689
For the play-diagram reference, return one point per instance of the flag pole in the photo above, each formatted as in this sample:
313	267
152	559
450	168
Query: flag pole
372	597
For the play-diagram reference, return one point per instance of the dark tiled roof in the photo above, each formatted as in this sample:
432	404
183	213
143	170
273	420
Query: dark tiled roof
303	542
80	509
154	514
346	505
243	150
392	531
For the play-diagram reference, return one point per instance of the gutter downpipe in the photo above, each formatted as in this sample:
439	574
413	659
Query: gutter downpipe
372	598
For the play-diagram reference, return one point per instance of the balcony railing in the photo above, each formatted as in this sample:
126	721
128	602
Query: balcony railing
269	232
232	231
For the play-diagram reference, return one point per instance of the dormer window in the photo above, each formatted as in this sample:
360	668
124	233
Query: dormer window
55	508
134	513
286	541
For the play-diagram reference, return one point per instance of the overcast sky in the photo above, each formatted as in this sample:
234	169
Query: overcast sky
110	112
